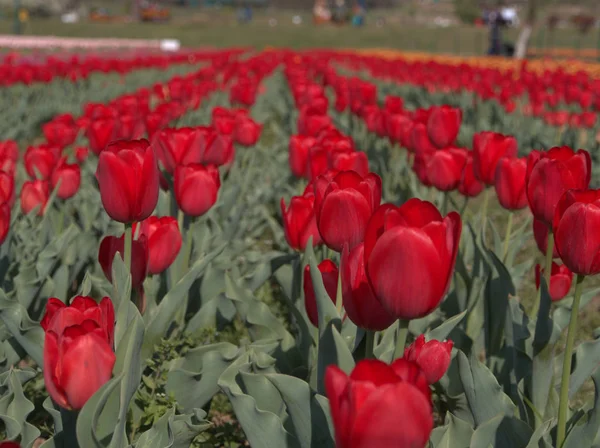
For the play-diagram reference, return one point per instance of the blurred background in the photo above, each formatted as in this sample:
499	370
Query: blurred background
467	27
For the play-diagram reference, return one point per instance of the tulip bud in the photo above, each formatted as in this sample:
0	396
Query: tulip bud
127	175
69	176
164	242
247	131
356	161
40	161
445	168
432	357
78	349
180	146
299	221
34	193
560	280
443	125
196	188
329	272
101	132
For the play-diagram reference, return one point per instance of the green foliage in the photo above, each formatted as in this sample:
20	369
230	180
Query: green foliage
467	10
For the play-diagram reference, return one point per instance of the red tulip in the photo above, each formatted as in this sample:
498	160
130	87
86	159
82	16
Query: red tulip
7	188
81	154
560	280
164	242
350	161
127	174
299	221
329	272
299	146
420	142
8	444
217	149
410	252
376	407
550	174
360	302
445	168
5	213
510	183
318	160
469	185
488	149
34	193
61	131
40	161
196	188
78	349
110	245
180	146
69	176
577	240
443	125
101	132
540	233
344	206
432	357
247	131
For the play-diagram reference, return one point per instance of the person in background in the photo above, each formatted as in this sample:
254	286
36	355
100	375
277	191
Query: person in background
360	10
340	13
495	22
321	13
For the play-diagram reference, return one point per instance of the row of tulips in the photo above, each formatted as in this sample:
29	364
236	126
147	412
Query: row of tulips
14	70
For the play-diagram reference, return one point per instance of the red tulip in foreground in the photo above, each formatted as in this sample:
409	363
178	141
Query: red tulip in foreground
576	224
488	149
34	193
360	302
180	146
196	188
560	280
299	221
378	406
9	445
127	175
110	245
69	176
510	183
78	349
444	168
550	174
163	238
443	125
432	357
344	206
410	252
329	272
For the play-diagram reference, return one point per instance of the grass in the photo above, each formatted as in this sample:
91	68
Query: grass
219	28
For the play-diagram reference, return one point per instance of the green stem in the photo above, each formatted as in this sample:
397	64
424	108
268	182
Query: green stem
339	303
445	203
69	428
370	344
401	338
561	431
127	247
484	211
180	219
508	234
547	272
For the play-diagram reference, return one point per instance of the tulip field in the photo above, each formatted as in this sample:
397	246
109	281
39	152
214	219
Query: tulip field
304	249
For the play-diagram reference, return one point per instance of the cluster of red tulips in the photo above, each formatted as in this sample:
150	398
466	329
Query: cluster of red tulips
78	351
17	69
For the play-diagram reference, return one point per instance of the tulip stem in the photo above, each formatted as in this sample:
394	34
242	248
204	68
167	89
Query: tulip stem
339	302
401	338
547	272
370	344
180	220
561	431
127	246
69	427
484	210
445	203
508	235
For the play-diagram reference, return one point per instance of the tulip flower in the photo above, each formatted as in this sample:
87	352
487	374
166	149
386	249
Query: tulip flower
299	221
329	272
410	252
420	142
445	167
101	132
34	193
356	161
127	175
81	154
298	150
180	146
360	302
433	357
375	407
247	131
443	125
510	183
69	176
551	173
196	188
78	349
9	444
488	149
560	280
216	149
7	188
110	245
344	206
40	161
5	213
164	242
540	234
61	131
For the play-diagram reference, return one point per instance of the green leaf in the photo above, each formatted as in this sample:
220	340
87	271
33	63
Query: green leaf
502	431
456	433
160	435
587	359
586	428
15	407
442	331
332	351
